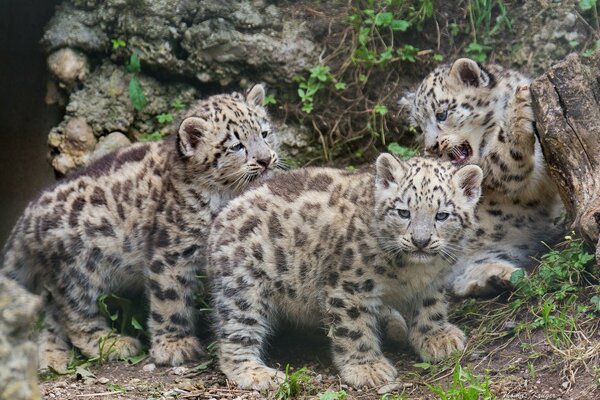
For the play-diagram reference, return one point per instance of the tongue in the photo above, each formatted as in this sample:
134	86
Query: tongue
459	154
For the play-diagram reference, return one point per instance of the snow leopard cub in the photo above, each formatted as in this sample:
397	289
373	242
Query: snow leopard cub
136	221
474	114
324	246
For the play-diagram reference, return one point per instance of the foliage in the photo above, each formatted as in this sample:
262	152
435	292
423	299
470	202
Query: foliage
560	272
346	97
464	386
333	395
164	118
294	384
402	152
118	43
484	27
150	137
123	313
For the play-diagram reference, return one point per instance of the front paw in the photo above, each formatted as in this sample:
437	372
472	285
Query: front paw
173	350
253	375
439	344
372	374
483	280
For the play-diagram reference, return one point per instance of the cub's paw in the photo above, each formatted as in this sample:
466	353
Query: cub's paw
395	326
373	374
173	350
441	343
119	346
483	280
254	376
54	359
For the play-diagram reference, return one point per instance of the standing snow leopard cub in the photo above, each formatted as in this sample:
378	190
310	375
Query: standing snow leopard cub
324	246
137	221
471	114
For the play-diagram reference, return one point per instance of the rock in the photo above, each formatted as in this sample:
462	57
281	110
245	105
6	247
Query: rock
75	28
18	355
179	370
68	66
74	140
79	136
103	380
108	144
149	367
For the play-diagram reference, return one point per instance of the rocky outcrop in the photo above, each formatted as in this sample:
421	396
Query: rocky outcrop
18	354
187	50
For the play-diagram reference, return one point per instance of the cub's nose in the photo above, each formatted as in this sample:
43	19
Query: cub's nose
264	161
420	242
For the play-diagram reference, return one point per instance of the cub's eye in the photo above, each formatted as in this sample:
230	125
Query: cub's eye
265	134
441	216
441	116
237	147
403	213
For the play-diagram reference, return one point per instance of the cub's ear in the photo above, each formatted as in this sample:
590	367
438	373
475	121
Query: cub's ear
190	133
256	95
389	169
406	104
467	182
467	72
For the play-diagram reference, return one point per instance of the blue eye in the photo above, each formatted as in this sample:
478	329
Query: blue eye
441	216
403	213
237	147
441	116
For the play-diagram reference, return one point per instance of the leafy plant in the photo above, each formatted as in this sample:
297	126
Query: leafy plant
402	152
333	395
484	27
150	137
464	386
177	104
118	43
123	313
270	99
293	384
164	118
560	271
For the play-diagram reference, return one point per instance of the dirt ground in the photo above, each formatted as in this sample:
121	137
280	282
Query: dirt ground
515	371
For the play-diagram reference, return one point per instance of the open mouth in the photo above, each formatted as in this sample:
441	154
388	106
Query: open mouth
460	154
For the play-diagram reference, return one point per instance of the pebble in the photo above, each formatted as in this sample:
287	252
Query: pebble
179	370
103	380
135	380
149	367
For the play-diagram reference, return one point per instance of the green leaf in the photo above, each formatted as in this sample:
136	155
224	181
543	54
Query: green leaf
321	72
422	365
438	57
136	94
399	25
517	276
331	395
134	63
380	109
150	137
384	18
177	104
340	86
136	324
164	118
403	152
270	99
595	300
116	43
363	35
586	5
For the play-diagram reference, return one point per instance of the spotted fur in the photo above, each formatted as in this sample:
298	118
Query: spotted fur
353	252
136	221
482	115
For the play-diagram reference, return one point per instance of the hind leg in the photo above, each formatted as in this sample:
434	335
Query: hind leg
75	297
54	351
484	275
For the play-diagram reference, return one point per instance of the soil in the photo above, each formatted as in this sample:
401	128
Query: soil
514	370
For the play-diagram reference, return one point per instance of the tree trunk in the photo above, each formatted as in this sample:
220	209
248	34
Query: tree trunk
566	103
